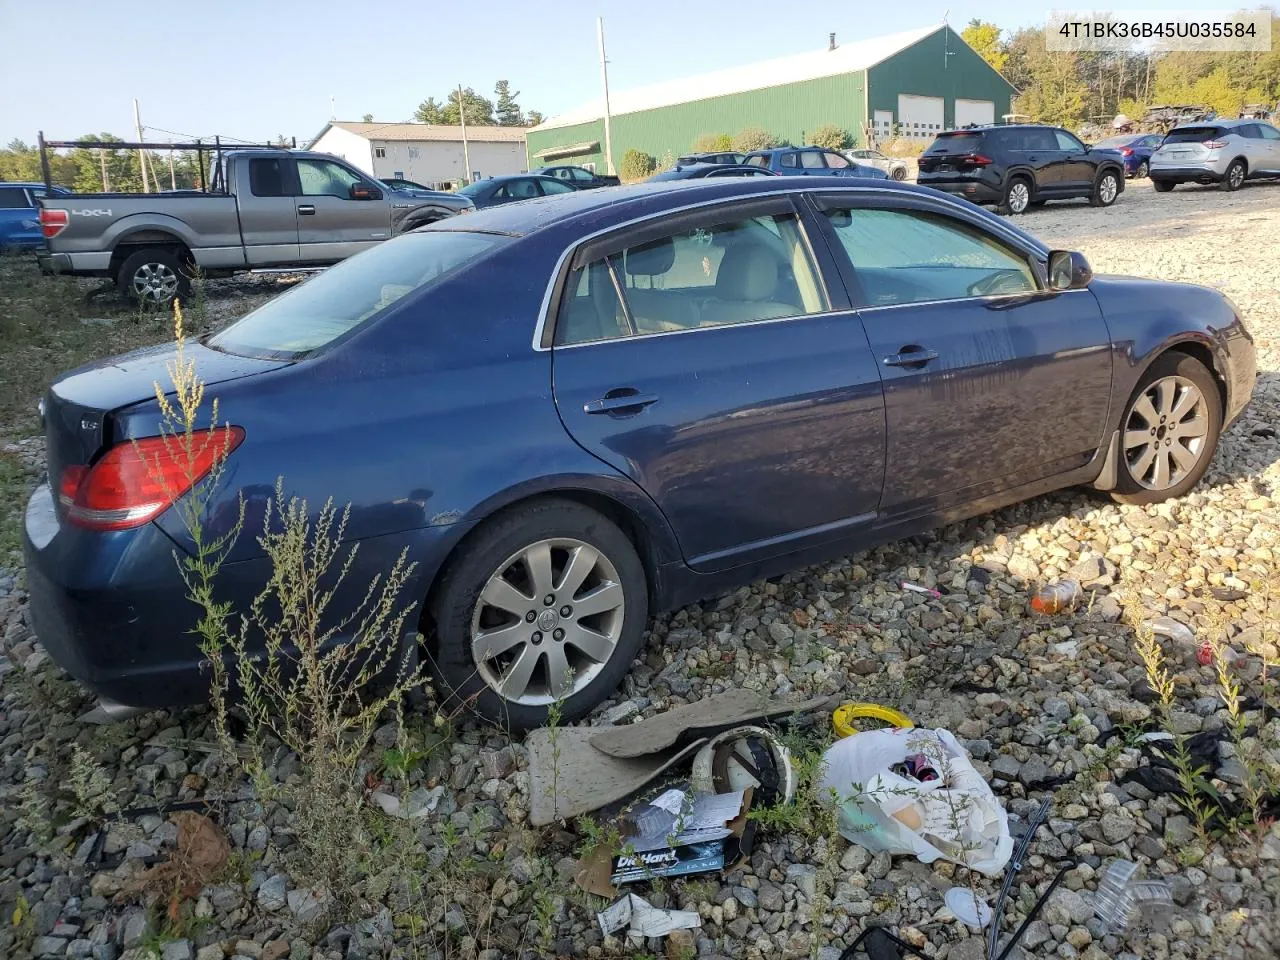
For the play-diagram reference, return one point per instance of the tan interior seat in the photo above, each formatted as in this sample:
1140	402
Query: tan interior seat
746	287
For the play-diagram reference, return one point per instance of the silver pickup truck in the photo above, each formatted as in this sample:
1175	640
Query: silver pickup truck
269	209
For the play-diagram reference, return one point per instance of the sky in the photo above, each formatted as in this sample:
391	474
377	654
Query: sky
254	69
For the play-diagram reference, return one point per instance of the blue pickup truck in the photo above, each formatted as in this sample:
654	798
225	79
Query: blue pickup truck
19	218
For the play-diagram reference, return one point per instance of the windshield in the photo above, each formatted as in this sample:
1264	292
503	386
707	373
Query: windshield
319	311
1193	134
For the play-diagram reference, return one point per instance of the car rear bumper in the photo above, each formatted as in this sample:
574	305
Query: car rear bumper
1185	173
76	264
974	190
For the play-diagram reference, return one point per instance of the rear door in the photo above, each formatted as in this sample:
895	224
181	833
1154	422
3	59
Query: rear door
1255	149
1037	150
268	214
332	225
990	381
699	354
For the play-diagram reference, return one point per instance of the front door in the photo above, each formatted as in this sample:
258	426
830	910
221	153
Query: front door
1077	171
722	382
331	224
1271	146
990	380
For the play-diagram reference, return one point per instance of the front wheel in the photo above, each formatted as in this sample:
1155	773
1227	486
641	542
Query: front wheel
1169	431
545	608
898	173
1105	190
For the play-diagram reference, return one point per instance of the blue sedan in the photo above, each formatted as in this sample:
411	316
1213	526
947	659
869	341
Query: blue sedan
575	411
1136	149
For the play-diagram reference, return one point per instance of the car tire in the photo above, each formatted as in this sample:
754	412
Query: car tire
1149	470
154	277
1105	189
494	565
1017	196
1162	186
1144	168
1235	176
898	173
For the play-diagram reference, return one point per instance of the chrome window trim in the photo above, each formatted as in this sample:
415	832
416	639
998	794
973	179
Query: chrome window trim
943	200
991	298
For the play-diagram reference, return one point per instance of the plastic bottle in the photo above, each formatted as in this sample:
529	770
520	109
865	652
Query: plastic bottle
1122	899
1173	629
1057	597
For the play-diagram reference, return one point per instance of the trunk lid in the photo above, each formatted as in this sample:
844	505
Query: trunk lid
76	409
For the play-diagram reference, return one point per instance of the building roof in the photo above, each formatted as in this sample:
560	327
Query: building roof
845	58
425	131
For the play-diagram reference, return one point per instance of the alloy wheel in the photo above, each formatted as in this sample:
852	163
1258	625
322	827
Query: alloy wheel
1108	189
1236	175
1166	432
547	621
1019	197
155	283
1142	171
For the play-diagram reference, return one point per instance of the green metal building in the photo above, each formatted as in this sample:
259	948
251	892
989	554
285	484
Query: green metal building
911	84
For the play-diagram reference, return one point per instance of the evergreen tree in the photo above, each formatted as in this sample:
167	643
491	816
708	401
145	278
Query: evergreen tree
506	109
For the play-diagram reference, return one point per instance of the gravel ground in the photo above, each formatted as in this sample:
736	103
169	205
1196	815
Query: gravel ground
1044	705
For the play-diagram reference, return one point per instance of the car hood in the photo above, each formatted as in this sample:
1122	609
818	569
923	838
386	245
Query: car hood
429	196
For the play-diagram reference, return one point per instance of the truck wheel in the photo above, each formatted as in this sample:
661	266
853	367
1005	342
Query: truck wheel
154	276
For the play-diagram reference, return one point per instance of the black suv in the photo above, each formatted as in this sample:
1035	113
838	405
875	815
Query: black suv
1020	166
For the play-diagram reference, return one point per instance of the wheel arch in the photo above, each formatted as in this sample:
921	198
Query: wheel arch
130	243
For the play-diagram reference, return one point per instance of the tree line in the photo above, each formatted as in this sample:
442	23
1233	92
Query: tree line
1075	88
502	111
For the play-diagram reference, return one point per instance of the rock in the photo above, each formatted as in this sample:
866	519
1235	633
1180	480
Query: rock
258	838
271	895
306	905
176	950
1116	826
780	632
855	859
1023	567
1037	933
1034	772
496	764
1067	907
622	712
1057	708
681	945
275	949
770	897
805	877
971	948
1006	767
49	946
137	926
212	952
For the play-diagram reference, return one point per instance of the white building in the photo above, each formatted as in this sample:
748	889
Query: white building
426	153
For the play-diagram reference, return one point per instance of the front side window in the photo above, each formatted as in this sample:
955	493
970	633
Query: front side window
903	256
323	178
1067	142
518	190
1268	132
836	162
581	174
717	274
550	187
315	313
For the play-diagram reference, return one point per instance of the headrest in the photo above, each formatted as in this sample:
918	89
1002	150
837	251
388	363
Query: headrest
651	259
748	271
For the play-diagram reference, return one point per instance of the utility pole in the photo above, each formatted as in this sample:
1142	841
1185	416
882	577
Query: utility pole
462	119
102	162
604	79
142	154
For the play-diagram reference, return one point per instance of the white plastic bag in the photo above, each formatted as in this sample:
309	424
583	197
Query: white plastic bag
955	817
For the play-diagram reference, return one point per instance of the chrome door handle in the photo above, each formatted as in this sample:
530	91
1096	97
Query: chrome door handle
911	357
306	209
620	402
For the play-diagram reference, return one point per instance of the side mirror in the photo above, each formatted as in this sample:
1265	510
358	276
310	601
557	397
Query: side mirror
362	191
1068	270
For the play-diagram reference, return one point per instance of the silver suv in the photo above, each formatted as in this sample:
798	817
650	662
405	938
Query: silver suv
1225	152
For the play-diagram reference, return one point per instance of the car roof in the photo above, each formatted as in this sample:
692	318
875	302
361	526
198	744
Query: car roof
26	183
1218	122
613	206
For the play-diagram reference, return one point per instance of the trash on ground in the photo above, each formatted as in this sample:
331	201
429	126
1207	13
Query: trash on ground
705	718
642	919
845	715
877	943
968	907
1172	629
198	858
1124	899
1057	597
954	817
746	757
917	588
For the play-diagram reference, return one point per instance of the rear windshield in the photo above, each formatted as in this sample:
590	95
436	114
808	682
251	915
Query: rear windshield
956	143
1193	134
319	311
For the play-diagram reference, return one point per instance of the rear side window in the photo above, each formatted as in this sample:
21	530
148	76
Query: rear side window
758	160
787	160
811	160
953	143
266	177
319	311
1194	134
13	198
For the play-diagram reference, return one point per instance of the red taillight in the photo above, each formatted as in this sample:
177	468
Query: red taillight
976	159
1126	151
1215	144
53	222
139	479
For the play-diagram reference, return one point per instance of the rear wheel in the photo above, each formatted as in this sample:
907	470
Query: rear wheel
1234	179
1162	186
1169	432
1017	196
154	276
1142	171
545	606
1105	189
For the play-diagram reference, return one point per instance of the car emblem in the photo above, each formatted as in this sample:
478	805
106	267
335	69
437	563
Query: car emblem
547	620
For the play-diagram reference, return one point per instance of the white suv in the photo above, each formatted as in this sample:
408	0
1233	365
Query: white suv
1225	152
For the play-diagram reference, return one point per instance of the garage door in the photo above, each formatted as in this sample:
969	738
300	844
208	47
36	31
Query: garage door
919	117
981	112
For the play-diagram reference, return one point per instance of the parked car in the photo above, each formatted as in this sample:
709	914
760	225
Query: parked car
271	208
496	190
698	171
1017	167
572	412
724	156
20	215
812	161
1225	152
579	177
896	168
1135	149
